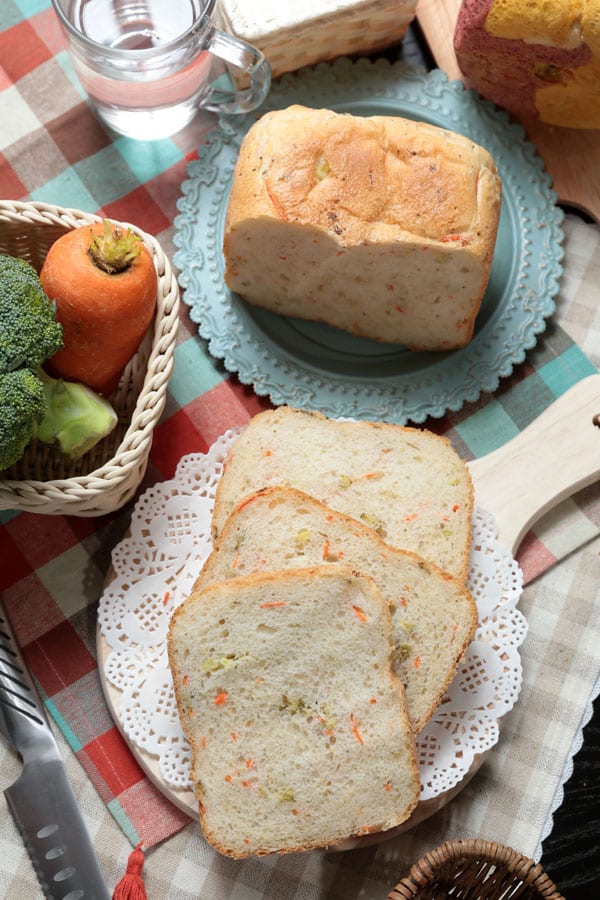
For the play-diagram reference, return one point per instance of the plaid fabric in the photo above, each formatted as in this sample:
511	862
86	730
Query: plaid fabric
53	568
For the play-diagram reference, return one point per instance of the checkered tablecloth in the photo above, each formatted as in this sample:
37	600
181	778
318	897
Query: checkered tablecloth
52	569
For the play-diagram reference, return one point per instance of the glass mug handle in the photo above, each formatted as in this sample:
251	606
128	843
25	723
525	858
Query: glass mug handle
252	64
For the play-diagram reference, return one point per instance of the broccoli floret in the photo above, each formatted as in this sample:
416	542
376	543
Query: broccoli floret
22	407
68	416
29	332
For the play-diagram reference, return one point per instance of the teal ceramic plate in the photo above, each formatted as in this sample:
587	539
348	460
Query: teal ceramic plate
313	366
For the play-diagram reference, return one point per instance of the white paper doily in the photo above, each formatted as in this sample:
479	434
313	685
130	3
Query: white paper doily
154	569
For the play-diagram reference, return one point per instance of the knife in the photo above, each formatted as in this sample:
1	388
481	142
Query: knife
41	800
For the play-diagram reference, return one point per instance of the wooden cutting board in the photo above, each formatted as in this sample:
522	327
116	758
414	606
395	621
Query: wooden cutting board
558	454
572	157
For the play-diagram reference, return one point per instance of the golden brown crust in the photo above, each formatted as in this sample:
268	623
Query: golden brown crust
374	178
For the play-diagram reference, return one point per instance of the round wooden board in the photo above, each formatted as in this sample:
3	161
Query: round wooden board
187	803
571	422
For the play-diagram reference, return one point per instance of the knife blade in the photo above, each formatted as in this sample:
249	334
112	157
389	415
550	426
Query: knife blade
41	800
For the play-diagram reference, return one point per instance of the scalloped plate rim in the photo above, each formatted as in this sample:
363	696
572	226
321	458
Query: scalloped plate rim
271	370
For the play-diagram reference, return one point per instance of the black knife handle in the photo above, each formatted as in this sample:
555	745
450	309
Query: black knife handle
23	720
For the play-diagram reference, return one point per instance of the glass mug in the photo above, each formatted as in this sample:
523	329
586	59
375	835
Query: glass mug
145	64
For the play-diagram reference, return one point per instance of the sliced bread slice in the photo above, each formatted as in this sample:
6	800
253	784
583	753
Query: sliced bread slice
297	724
408	484
433	616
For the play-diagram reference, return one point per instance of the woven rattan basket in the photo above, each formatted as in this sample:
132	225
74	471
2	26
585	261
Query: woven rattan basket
107	477
292	35
475	870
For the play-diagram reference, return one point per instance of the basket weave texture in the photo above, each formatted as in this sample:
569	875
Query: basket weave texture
107	477
475	870
301	34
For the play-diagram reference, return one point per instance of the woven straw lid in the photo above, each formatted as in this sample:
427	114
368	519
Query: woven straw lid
106	477
475	870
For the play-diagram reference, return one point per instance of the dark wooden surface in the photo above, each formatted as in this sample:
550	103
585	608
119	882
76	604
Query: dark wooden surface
571	853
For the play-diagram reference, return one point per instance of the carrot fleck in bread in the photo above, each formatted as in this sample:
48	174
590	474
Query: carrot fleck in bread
408	484
433	617
380	226
298	725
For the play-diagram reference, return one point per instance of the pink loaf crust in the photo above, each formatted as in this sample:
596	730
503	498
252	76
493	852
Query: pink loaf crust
507	72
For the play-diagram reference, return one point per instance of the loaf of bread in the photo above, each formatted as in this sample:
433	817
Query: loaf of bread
407	484
433	617
537	59
298	726
381	226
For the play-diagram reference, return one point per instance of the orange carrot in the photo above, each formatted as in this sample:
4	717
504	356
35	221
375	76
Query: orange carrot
103	281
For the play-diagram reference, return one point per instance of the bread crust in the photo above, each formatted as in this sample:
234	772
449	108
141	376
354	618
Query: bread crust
379	225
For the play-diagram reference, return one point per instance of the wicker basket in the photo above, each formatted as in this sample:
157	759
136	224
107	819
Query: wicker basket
475	870
301	34
107	477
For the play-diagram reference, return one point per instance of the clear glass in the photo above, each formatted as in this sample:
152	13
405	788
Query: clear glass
146	65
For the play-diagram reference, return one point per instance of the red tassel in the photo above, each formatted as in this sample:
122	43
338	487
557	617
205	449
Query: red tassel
131	885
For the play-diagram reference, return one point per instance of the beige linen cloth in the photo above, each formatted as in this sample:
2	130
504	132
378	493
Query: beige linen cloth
510	800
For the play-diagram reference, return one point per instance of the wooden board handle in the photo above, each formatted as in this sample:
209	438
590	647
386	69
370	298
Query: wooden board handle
555	456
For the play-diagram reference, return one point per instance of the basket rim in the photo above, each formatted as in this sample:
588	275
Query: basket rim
150	401
423	872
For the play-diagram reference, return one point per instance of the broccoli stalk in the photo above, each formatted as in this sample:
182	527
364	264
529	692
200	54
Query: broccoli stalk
75	419
68	416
